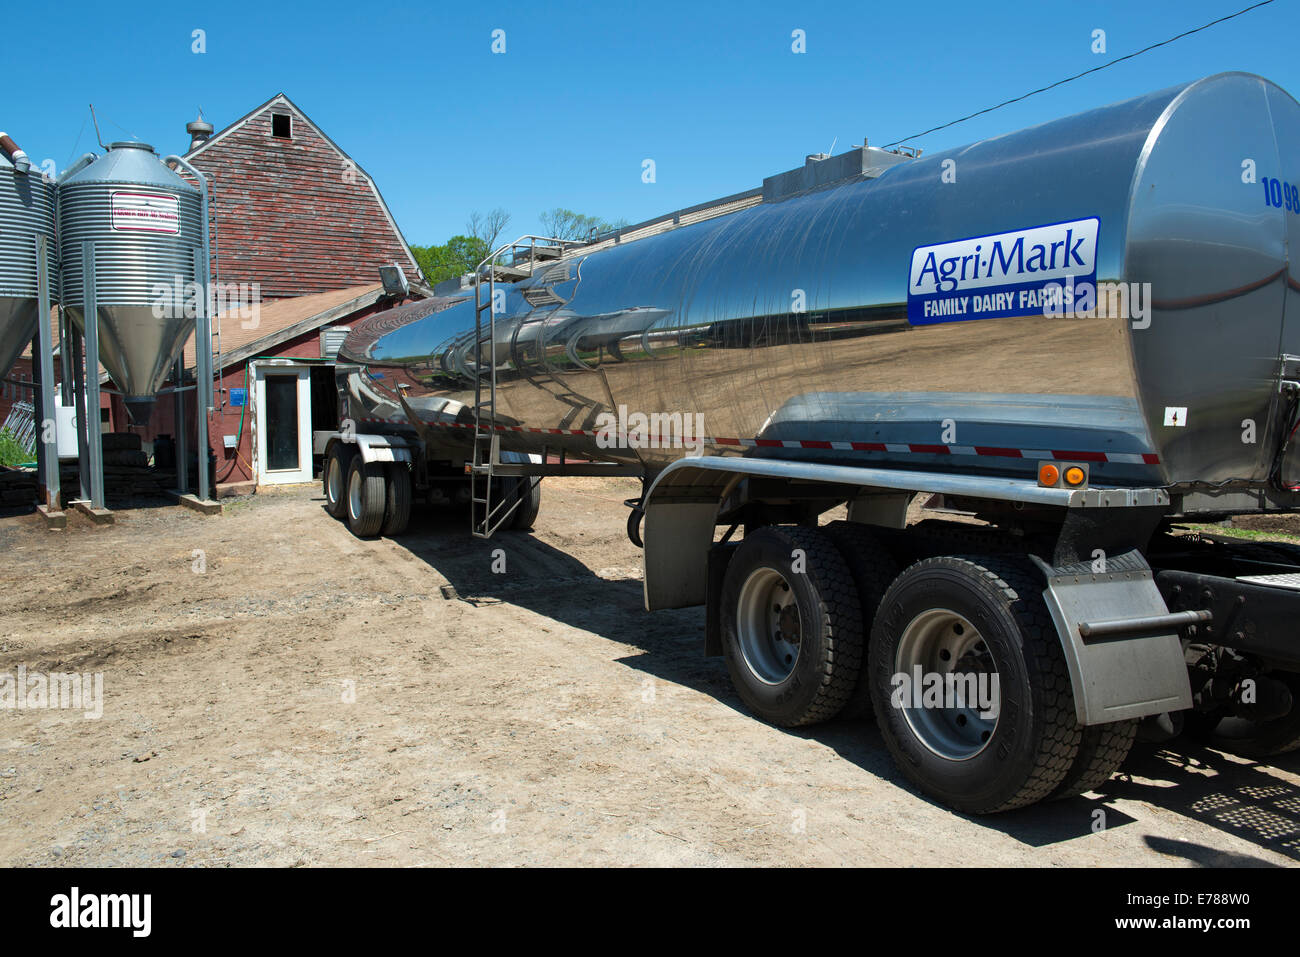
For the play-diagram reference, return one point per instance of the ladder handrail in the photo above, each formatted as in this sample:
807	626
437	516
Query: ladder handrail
486	449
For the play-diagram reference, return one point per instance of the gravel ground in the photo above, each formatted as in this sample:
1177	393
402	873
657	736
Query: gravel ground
278	692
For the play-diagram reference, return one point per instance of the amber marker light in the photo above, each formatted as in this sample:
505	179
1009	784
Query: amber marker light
1074	475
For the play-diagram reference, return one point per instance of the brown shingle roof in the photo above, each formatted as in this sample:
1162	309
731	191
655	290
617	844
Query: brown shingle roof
242	328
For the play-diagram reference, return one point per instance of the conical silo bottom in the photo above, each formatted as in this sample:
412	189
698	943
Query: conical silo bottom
139	408
17	327
137	347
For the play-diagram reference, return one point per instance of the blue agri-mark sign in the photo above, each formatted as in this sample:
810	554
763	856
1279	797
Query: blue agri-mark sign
1003	274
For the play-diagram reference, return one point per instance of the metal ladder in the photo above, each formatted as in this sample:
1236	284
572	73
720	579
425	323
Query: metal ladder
487	515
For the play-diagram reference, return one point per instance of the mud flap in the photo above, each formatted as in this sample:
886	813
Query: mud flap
1127	659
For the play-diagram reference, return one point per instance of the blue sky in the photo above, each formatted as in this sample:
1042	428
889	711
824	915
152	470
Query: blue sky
711	91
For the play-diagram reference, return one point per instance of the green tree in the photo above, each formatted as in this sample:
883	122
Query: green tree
457	256
462	254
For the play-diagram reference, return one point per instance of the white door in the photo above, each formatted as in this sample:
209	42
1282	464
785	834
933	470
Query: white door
283	424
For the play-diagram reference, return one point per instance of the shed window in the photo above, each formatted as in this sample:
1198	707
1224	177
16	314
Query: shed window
281	125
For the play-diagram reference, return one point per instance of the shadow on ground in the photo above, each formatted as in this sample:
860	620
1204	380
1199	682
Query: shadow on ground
1246	800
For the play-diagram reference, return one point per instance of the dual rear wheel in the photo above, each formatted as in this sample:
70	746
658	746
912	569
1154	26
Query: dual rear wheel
372	497
957	656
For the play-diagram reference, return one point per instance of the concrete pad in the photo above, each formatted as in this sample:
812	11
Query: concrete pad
192	501
100	516
54	518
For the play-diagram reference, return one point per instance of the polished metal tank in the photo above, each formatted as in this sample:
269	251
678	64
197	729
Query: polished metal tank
146	225
26	211
899	317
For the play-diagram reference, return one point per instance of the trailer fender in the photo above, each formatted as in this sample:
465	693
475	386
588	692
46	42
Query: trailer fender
1121	642
681	508
372	448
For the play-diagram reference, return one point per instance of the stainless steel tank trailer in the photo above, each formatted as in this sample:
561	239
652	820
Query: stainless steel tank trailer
1080	335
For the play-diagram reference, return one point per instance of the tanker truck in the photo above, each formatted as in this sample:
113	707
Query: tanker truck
1078	338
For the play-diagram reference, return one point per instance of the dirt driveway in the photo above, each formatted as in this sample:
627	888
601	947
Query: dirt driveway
276	691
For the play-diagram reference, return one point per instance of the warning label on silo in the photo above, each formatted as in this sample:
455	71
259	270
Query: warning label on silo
145	212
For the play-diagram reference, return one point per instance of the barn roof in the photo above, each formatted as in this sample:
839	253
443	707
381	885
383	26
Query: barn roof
280	99
247	333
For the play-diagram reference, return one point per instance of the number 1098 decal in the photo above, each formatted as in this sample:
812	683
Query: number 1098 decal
1282	195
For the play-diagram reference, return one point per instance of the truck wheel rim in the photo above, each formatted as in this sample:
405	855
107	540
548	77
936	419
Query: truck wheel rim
336	481
768	626
940	642
354	494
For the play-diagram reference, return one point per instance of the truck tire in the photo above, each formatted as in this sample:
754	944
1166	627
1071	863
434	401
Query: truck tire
873	570
397	498
365	498
987	613
526	513
1255	739
334	478
1102	749
791	625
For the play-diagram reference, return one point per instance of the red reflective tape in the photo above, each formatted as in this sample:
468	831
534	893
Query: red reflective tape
1085	456
1148	458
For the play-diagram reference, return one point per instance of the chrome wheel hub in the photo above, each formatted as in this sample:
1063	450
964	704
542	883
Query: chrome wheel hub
768	626
952	692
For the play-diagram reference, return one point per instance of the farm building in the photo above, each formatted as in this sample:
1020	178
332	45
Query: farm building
299	233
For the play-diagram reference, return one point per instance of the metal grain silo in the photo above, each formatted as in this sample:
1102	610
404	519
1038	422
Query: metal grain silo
146	225
26	211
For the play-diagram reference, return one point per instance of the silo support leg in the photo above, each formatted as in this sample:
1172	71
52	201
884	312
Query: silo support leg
89	433
91	426
79	399
47	443
182	460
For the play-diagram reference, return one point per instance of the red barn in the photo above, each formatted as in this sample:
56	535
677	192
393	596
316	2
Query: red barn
290	210
299	231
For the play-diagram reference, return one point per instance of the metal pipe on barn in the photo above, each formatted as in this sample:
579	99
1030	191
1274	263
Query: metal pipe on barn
202	328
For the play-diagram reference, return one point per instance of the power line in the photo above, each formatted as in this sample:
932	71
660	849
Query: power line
1070	79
